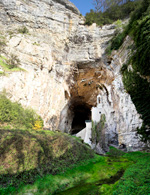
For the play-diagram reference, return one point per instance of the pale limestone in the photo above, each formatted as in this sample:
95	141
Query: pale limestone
52	53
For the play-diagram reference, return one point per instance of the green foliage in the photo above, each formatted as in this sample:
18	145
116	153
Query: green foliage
136	179
2	42
112	13
139	89
10	64
13	61
137	71
114	152
116	41
141	58
27	155
97	129
94	17
15	114
86	177
131	29
2	73
23	30
118	24
36	154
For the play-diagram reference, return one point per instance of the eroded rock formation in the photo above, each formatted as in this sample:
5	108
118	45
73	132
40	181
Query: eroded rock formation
65	67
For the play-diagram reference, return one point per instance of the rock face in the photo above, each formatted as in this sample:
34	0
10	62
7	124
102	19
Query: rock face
65	67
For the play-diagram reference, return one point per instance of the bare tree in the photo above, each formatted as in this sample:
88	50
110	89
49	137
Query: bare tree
98	4
103	5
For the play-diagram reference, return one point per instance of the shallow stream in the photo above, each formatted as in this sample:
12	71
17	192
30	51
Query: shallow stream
92	188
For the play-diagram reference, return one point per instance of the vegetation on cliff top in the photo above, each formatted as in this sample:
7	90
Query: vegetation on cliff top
114	11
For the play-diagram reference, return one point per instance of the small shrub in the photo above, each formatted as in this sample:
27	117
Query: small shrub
2	43
13	61
2	73
124	68
114	152
118	40
118	24
38	125
13	113
23	30
97	129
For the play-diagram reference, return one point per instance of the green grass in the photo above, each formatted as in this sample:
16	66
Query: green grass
136	179
114	152
69	166
84	177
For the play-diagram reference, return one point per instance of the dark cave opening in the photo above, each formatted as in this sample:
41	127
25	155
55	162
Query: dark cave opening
81	112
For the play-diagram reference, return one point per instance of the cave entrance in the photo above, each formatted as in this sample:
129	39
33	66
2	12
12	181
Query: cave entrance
81	112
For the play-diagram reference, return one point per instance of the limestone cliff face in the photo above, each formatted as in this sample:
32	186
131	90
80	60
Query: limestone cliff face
121	115
65	66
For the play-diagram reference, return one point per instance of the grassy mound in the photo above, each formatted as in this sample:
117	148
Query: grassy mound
27	155
76	172
86	178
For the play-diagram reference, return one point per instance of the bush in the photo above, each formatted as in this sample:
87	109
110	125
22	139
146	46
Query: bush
23	30
38	125
113	13
97	129
27	155
114	152
16	115
13	61
2	43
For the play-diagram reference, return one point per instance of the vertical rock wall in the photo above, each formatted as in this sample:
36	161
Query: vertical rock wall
64	66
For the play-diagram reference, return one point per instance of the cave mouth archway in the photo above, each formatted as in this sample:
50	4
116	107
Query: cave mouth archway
81	112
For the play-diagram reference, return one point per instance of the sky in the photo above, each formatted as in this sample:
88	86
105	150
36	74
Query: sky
84	6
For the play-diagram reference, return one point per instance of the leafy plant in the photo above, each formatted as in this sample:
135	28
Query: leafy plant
97	129
114	152
136	78
2	43
13	113
38	125
27	155
112	13
13	61
23	30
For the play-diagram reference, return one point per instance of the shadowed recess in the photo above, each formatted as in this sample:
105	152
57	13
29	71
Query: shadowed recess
81	112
